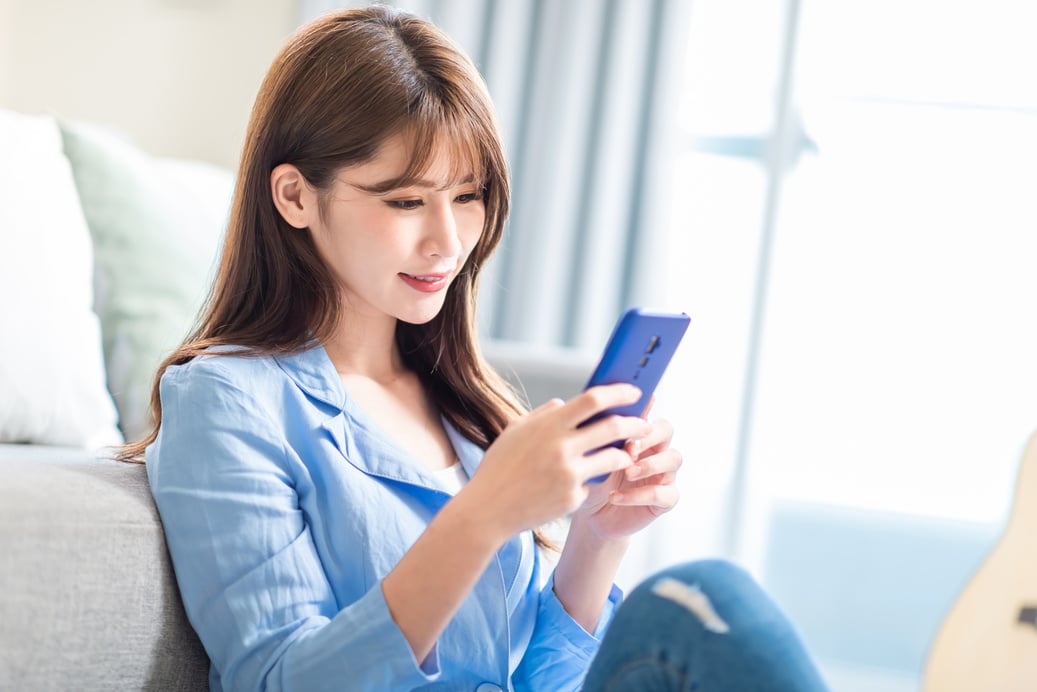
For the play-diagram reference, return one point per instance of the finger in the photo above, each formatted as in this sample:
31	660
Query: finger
657	439
668	478
660	498
597	400
603	463
666	461
651	403
609	430
547	406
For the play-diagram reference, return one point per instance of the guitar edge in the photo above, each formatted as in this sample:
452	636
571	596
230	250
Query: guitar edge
988	640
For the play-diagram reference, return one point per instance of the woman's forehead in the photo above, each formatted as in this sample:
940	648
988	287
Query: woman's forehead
403	160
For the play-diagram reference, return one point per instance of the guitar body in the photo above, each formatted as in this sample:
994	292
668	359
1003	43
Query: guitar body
989	639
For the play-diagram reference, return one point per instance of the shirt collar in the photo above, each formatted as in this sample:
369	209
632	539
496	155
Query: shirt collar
315	374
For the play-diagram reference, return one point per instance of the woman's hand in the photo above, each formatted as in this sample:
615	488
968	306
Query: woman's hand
631	499
627	501
537	469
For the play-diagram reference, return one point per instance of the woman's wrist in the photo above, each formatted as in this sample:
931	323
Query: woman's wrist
583	528
483	526
586	570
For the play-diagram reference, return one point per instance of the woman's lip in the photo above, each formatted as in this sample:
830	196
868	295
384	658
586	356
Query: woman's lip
426	283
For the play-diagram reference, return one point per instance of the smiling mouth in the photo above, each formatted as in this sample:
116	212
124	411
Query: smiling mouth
426	283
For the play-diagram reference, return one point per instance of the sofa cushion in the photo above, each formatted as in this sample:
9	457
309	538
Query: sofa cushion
89	601
51	369
156	226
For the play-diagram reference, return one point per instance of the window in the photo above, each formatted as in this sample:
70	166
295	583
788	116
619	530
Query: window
857	244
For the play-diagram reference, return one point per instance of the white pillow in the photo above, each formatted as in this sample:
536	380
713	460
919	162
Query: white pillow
52	380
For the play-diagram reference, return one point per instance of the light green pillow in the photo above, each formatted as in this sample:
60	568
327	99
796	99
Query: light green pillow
156	226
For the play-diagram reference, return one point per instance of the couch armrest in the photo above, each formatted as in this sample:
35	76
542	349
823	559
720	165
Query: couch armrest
88	599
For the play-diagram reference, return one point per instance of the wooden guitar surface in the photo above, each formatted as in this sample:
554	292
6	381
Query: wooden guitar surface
988	642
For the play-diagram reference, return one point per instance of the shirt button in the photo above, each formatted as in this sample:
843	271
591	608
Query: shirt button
488	687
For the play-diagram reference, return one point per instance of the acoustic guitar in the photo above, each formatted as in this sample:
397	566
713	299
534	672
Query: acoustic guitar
988	642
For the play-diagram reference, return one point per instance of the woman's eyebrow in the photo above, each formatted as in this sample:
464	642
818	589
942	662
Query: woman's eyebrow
384	186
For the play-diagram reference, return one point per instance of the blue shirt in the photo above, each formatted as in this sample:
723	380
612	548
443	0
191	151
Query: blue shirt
284	507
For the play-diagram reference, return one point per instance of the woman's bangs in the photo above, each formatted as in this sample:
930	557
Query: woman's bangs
460	137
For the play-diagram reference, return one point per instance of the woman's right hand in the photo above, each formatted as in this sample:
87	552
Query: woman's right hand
537	469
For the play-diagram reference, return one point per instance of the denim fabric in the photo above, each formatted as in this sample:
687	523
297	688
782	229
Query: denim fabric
732	637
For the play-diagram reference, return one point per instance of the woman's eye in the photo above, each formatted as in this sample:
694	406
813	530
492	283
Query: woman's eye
469	197
405	204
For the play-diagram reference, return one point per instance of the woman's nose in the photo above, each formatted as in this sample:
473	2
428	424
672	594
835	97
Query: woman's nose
443	238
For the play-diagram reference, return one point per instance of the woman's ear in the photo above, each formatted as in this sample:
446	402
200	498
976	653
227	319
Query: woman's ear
293	196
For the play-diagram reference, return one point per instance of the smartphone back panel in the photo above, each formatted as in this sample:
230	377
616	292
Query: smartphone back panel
641	346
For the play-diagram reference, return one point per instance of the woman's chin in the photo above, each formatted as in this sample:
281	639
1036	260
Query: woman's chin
421	316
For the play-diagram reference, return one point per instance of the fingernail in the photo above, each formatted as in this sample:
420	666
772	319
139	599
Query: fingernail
634	471
616	496
634	447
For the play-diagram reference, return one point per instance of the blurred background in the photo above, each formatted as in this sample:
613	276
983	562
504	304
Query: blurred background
841	194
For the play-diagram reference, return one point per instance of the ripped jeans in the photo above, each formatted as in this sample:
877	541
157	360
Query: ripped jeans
705	627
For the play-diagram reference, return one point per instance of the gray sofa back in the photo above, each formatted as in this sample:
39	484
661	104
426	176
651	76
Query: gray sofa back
88	599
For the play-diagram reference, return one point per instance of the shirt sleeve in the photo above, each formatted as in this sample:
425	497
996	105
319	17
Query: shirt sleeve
249	574
560	651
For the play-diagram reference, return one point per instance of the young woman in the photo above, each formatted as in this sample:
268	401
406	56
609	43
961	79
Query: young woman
351	496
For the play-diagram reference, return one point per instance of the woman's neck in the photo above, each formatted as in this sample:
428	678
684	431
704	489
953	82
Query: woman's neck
367	348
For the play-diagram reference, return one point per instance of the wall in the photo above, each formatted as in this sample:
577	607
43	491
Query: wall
178	77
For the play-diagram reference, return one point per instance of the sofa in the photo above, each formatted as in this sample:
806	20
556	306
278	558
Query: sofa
88	600
105	254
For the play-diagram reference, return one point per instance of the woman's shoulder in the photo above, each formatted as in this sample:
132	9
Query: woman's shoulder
256	376
223	370
229	363
221	389
224	400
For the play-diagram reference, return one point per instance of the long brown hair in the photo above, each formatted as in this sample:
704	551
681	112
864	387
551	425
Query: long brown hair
340	88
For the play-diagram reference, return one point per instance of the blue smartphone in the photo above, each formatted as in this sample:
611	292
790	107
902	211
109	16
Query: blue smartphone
641	346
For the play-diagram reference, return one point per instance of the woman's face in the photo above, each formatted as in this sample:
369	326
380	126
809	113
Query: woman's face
395	253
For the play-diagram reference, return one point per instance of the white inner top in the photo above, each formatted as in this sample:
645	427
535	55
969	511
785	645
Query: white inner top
451	479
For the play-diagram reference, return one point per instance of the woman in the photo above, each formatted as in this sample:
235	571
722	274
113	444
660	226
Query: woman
350	494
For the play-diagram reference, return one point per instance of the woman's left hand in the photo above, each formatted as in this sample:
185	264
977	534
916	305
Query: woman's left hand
631	499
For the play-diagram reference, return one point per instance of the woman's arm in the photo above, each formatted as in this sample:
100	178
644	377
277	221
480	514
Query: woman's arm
532	474
431	580
599	532
585	572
